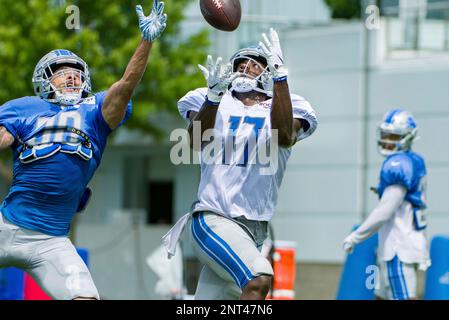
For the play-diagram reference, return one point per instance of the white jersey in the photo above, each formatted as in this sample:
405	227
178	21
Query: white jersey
235	184
398	236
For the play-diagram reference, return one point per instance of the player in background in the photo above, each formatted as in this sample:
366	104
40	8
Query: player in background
236	197
58	138
400	215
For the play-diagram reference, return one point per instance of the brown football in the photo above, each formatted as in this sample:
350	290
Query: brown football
224	15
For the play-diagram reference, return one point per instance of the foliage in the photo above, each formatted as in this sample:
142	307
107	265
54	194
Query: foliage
107	39
344	9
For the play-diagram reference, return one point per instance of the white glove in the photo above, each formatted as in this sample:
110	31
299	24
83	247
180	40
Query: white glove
273	51
348	244
218	78
152	26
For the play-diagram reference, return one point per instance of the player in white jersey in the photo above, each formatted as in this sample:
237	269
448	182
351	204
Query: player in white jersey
247	107
399	217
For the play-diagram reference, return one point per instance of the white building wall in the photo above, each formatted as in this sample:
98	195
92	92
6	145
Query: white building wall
321	194
319	197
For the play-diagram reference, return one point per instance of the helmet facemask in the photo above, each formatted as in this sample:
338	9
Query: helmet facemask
396	135
73	73
246	82
70	87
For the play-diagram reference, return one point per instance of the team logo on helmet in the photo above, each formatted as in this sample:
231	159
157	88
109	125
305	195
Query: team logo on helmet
397	131
75	84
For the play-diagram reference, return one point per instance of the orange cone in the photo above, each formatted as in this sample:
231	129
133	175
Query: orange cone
284	266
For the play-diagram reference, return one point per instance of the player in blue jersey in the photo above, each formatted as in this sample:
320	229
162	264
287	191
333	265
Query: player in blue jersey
58	138
400	215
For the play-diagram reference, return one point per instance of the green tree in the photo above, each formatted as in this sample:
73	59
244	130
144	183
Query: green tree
107	38
344	9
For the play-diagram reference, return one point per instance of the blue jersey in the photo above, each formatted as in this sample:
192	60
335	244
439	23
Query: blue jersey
56	152
409	170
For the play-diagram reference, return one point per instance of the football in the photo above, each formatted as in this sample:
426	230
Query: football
224	15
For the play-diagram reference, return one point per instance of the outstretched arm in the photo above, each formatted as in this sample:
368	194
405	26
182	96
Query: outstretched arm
282	115
118	96
281	109
392	198
6	139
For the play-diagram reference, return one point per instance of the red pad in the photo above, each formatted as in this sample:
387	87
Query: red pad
32	291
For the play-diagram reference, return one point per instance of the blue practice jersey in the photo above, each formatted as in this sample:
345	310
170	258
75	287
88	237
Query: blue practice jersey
56	152
409	170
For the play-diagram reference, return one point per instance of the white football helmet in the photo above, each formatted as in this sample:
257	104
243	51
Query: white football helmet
396	132
246	83
47	67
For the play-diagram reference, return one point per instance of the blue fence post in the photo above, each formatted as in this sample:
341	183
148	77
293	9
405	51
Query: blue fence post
84	254
437	276
11	284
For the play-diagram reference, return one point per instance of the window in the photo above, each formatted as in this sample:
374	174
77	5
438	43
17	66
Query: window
389	7
415	27
160	207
